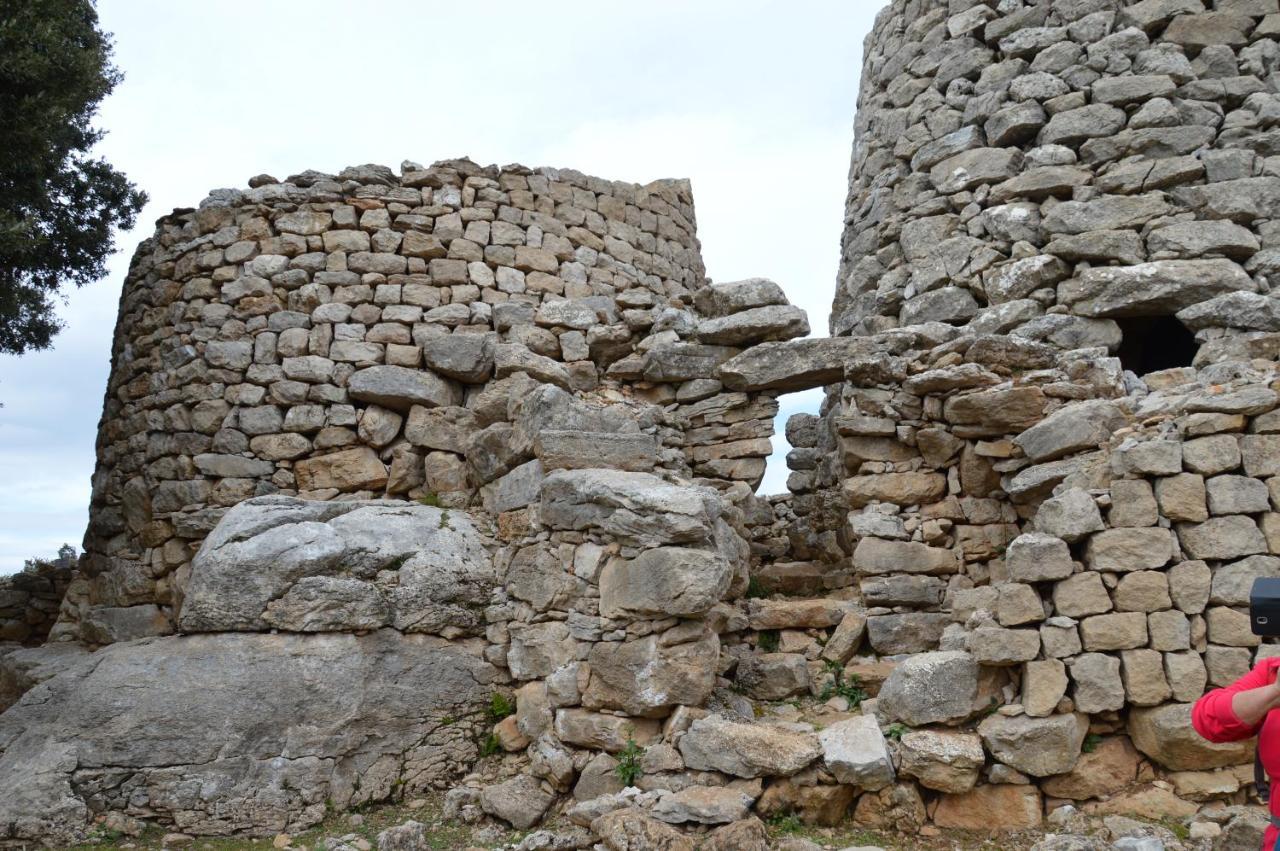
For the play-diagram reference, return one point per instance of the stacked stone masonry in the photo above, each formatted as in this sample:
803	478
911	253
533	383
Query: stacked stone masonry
474	437
370	334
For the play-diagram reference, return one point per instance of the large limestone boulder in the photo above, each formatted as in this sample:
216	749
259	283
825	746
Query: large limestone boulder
1037	746
991	808
632	829
267	728
746	750
855	752
646	678
638	509
664	581
942	760
277	562
931	688
1165	734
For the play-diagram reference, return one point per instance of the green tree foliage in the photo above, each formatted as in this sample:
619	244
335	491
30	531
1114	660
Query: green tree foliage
58	205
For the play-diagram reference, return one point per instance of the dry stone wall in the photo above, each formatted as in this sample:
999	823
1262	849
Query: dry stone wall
1047	459
374	334
496	424
29	601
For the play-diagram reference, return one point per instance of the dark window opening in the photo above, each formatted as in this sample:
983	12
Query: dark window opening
1152	343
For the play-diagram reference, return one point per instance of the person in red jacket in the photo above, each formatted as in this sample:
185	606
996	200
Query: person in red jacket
1240	711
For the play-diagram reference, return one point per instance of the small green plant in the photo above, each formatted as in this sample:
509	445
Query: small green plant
500	706
432	499
1091	743
448	721
768	641
1176	827
896	731
851	690
491	745
754	589
444	519
786	823
628	768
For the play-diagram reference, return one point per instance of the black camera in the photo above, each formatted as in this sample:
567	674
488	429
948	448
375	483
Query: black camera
1264	606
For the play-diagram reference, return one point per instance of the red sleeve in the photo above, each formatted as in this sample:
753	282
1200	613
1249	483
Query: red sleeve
1213	717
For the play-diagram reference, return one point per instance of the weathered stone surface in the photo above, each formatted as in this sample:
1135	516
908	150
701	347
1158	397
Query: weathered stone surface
876	557
235	715
1070	516
992	645
898	488
1097	683
1084	425
1122	550
750	834
931	688
1222	538
24	668
680	361
736	296
772	676
1037	746
703	805
597	731
990	808
855	752
1121	631
577	450
1164	733
465	357
1044	684
908	632
1111	766
1165	286
1080	595
520	801
637	508
1037	557
348	470
400	388
1231	583
644	678
664	581
746	750
284	563
789	366
755	325
942	760
630	829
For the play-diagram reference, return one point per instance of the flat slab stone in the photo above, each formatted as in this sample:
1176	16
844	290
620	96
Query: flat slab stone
241	718
791	365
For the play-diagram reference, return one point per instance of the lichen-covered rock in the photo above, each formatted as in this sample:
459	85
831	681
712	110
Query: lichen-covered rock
942	760
746	750
289	564
1037	746
237	715
855	752
931	688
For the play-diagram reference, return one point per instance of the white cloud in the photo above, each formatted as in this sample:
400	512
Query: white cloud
753	100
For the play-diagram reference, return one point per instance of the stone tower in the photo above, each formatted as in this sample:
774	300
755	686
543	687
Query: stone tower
457	431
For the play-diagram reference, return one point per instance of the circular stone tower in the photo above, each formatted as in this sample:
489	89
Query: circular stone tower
1067	172
365	334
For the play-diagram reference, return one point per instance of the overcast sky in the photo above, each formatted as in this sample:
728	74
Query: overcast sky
751	100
